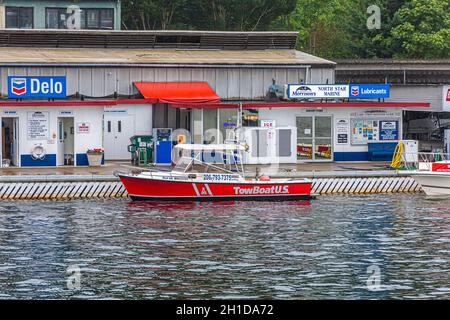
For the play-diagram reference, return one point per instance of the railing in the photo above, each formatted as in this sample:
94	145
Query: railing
423	160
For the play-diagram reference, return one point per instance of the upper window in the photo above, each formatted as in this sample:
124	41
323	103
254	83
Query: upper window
55	18
19	17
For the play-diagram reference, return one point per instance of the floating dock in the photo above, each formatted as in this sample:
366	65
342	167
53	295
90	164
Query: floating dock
48	187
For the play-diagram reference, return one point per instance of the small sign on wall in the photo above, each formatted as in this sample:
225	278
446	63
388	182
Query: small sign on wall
388	130
38	125
268	123
342	130
83	127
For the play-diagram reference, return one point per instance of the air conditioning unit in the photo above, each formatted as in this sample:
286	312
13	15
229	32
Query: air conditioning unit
269	145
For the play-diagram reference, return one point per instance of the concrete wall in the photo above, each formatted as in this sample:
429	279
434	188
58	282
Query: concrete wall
39	9
229	83
83	141
2	16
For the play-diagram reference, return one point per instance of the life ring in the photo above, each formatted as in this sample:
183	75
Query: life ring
38	152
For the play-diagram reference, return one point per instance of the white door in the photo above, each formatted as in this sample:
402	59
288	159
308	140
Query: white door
60	161
118	131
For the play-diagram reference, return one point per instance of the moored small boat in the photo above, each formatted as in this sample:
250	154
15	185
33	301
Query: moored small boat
184	184
434	177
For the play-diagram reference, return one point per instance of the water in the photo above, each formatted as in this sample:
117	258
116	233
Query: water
332	247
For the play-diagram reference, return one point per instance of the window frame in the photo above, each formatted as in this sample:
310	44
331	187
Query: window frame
59	9
84	15
18	8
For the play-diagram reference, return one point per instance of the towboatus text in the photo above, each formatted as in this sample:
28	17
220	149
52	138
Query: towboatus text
261	190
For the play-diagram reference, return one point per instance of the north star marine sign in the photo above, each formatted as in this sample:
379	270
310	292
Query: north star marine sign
36	87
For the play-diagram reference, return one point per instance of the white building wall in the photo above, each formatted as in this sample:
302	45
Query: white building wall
420	93
82	141
135	119
287	117
231	83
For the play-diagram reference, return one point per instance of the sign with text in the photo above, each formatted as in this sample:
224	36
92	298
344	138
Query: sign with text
388	130
268	123
305	91
369	91
38	125
342	130
36	87
446	99
83	127
352	91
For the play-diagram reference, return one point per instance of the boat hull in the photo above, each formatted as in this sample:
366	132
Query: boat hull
434	183
175	190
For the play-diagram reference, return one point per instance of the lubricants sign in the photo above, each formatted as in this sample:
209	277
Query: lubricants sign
36	87
368	91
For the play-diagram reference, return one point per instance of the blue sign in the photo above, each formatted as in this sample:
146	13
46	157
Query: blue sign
367	91
36	87
388	130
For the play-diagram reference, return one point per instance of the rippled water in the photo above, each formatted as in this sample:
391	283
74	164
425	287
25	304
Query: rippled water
324	249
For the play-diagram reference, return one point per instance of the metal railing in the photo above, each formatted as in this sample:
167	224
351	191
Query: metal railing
423	160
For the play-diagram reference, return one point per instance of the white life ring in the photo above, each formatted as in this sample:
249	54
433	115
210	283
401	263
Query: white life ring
38	152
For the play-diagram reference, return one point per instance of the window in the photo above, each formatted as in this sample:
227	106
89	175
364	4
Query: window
107	19
55	18
250	118
19	17
97	19
92	19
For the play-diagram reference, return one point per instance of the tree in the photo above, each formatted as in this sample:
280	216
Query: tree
422	29
151	14
321	26
233	15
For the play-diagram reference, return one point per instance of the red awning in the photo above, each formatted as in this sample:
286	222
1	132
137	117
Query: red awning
178	92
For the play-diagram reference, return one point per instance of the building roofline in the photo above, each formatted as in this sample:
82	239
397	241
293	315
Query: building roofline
282	104
155	32
143	39
393	61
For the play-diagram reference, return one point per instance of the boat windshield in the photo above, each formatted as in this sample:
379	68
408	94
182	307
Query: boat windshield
225	158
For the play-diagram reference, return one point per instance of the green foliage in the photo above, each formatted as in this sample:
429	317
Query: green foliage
423	29
327	28
236	15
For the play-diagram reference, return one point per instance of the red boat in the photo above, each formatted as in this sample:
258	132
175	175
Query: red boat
220	181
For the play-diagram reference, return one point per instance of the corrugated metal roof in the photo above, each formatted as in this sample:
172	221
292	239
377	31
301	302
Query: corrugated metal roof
116	57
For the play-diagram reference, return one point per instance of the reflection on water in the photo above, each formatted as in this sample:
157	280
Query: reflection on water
321	249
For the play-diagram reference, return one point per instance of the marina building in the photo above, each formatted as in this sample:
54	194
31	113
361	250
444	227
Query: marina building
410	80
60	14
64	92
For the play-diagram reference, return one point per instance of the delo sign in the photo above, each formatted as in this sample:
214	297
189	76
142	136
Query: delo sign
367	91
36	87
